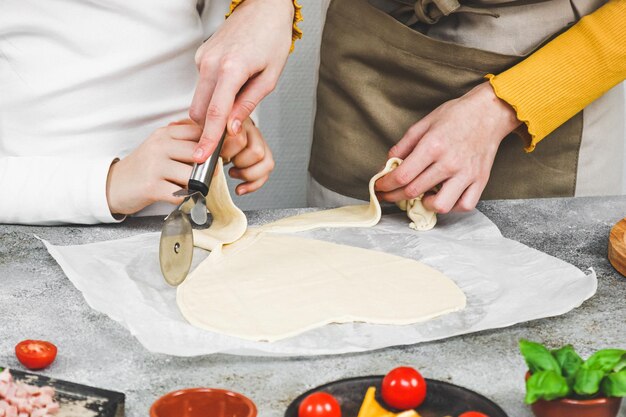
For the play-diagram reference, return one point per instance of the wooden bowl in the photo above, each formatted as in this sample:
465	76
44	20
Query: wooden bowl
203	402
617	247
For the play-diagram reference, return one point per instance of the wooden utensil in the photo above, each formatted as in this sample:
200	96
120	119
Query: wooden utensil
617	246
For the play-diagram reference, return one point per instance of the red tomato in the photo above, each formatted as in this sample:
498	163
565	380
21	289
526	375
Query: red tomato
403	388
473	414
35	354
319	404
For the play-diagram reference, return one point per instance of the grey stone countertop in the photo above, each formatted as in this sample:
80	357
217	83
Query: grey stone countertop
37	301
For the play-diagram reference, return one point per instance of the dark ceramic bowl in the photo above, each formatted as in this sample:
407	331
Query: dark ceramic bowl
202	402
567	407
442	398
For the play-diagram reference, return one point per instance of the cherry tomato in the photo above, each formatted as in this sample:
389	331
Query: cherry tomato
319	404
35	354
403	388
473	414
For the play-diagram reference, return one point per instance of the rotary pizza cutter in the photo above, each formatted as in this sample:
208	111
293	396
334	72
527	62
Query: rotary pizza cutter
176	244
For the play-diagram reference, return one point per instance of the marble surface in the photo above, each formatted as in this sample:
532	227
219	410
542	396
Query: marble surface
38	302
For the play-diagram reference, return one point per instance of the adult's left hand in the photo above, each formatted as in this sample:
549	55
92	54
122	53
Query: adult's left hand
454	146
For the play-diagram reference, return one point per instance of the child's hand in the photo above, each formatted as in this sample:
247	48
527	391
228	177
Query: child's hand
251	157
157	168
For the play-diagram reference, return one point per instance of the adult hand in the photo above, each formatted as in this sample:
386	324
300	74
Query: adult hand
239	65
454	146
160	166
251	157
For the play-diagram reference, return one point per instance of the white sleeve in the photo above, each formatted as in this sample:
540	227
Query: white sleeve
51	190
213	15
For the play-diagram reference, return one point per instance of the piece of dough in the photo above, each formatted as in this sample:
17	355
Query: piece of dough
277	286
229	223
422	219
266	286
363	215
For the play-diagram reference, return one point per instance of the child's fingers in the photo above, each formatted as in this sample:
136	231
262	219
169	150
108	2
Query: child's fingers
177	173
184	132
253	153
233	145
254	176
181	150
182	122
166	193
255	172
249	187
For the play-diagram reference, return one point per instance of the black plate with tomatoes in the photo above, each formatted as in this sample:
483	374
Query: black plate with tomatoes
442	398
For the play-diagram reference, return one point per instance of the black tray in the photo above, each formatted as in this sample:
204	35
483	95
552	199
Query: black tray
442	398
77	399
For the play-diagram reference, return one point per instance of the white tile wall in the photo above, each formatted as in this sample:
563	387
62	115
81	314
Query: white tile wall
286	120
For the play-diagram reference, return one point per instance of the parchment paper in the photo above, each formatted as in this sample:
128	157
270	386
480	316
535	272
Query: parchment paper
505	283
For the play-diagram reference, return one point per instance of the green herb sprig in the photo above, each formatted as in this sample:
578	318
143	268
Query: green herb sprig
562	373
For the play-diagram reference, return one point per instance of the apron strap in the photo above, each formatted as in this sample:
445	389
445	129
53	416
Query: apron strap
430	11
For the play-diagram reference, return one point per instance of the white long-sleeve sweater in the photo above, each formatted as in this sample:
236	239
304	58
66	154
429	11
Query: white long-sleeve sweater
83	82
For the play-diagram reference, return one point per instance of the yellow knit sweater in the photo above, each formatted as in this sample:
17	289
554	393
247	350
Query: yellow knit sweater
296	32
568	73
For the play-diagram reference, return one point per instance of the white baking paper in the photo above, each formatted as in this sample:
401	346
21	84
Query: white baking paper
505	283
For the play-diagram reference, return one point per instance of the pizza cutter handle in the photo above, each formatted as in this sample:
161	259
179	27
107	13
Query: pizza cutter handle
202	174
201	177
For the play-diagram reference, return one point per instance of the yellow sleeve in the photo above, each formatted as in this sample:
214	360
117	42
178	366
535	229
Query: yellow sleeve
296	32
567	74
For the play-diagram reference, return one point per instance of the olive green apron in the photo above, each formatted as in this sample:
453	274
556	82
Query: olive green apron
378	77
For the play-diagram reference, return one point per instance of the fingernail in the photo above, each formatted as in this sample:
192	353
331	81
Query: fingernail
198	153
236	126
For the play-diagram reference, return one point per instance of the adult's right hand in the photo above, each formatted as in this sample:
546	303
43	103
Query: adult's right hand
455	146
239	65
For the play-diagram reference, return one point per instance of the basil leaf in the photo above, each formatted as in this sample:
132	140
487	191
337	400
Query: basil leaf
545	385
587	381
538	357
604	360
569	361
614	385
621	365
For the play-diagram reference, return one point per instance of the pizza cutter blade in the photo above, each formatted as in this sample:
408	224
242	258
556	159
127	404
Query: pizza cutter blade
176	247
199	213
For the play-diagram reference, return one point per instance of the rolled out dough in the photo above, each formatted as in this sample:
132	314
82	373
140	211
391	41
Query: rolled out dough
263	285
